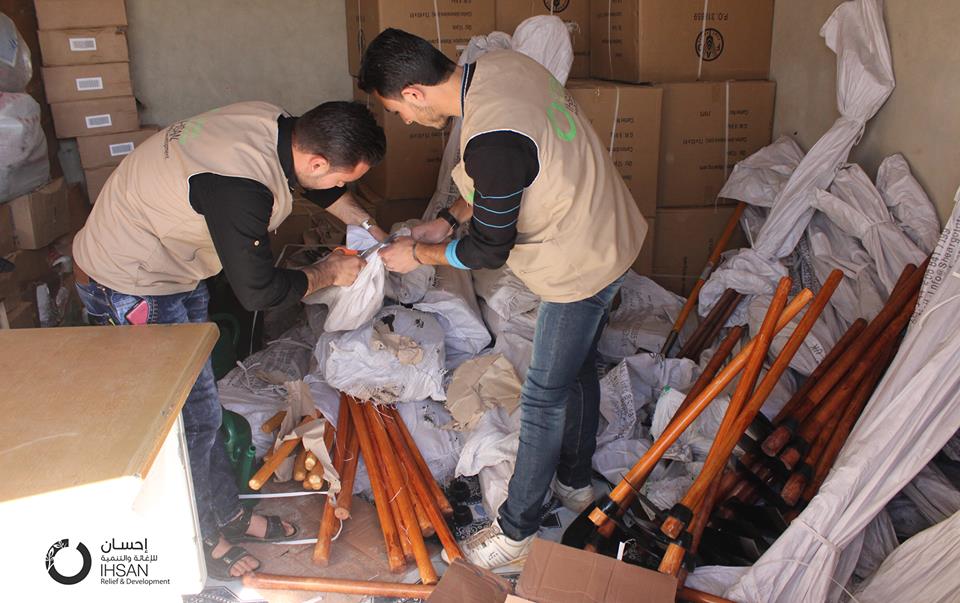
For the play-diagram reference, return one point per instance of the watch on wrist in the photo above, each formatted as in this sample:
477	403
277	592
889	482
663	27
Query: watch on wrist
367	224
445	214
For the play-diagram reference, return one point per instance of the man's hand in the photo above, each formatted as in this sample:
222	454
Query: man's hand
337	269
434	231
398	256
343	268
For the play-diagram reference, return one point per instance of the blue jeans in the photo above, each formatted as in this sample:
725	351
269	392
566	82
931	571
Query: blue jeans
214	484
560	408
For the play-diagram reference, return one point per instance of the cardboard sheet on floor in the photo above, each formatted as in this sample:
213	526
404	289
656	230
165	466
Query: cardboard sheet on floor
465	583
560	574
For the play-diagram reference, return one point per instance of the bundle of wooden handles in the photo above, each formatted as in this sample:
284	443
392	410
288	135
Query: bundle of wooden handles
409	503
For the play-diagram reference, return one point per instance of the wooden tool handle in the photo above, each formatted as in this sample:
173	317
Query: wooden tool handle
898	299
273	423
695	596
328	521
347	479
445	507
388	526
717	326
623	494
712	368
285	449
422	492
397	590
726	436
299	471
847	421
388	456
699	335
793	406
712	261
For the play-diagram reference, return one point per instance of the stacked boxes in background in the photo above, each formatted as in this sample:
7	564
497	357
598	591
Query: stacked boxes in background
711	61
401	186
627	118
575	13
86	73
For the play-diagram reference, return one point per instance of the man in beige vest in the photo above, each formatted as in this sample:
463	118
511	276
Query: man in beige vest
200	196
542	196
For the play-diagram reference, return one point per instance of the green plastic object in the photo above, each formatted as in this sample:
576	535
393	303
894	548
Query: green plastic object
224	354
240	449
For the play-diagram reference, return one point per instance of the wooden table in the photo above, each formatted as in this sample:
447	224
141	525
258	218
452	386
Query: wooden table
92	450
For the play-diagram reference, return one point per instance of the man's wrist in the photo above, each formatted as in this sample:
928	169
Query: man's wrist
445	215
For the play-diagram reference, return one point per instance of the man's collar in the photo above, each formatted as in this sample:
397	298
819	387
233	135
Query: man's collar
285	148
468	70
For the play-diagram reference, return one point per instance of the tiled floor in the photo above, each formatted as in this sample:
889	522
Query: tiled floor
358	554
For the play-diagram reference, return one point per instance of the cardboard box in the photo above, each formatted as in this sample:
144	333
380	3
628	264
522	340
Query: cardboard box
412	163
95	179
83	46
18	314
630	116
84	82
458	21
554	573
576	13
29	265
683	241
387	212
78	206
100	116
7	242
72	14
706	128
644	262
41	216
465	583
110	149
661	40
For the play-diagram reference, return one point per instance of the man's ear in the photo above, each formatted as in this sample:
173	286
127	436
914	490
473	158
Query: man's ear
414	94
319	164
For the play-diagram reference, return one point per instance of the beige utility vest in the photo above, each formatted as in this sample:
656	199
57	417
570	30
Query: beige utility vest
579	227
143	237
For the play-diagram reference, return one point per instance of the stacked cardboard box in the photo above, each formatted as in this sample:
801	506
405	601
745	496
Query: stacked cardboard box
710	61
86	73
575	13
410	169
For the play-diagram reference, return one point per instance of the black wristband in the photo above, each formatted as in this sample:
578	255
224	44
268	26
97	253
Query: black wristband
445	214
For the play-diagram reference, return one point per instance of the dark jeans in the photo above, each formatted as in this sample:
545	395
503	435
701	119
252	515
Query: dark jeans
214	484
560	408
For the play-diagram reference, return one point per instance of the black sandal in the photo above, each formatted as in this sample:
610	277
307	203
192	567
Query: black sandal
219	567
236	530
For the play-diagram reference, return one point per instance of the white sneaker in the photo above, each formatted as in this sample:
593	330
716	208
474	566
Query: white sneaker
575	499
490	548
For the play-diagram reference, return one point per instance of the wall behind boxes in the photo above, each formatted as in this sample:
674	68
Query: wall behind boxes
188	57
920	120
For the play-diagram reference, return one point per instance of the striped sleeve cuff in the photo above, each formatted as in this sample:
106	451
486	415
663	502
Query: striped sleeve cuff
451	255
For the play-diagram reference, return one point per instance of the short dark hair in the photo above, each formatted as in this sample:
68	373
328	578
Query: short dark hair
397	59
344	133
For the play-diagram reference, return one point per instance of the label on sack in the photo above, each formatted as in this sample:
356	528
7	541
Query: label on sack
85	84
121	148
99	121
83	44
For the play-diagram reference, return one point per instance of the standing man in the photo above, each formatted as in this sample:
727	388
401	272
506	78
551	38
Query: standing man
201	196
542	196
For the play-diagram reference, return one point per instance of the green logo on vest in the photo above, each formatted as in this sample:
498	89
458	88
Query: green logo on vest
565	128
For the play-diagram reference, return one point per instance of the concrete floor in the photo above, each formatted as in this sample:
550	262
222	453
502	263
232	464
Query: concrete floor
358	553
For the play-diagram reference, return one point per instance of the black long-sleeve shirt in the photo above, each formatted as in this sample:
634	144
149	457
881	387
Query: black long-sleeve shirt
237	212
502	164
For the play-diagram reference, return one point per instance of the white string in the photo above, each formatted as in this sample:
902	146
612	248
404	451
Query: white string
282	494
616	118
436	13
808	566
703	35
610	35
